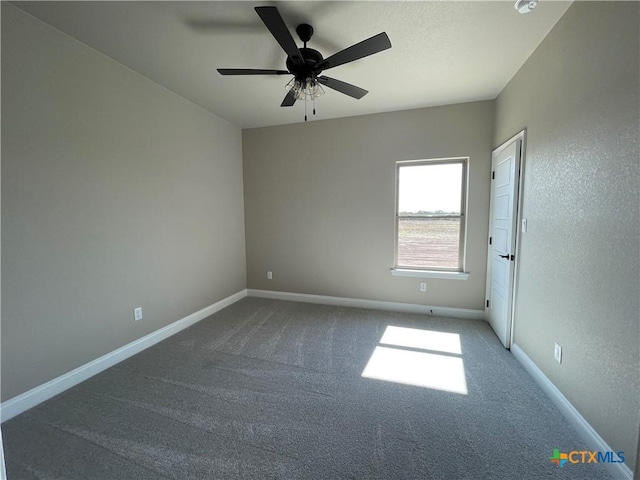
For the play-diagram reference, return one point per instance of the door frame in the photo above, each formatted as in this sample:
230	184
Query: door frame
518	197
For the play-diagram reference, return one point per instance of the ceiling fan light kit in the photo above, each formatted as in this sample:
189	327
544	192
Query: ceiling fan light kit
306	64
307	90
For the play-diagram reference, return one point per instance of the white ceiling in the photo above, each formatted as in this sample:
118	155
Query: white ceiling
443	52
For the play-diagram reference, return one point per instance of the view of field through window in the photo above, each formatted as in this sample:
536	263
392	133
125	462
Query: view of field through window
425	242
429	215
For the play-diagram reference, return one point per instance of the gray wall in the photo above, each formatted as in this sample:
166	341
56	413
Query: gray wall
578	97
320	199
116	193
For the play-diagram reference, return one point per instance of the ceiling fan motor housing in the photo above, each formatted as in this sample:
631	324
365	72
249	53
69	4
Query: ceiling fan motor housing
312	58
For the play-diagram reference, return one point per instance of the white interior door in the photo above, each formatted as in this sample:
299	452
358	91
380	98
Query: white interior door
505	168
3	472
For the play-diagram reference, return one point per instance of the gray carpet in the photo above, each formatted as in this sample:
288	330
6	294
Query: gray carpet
272	389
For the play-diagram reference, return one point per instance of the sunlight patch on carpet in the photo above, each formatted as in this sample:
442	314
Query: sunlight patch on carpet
422	339
418	362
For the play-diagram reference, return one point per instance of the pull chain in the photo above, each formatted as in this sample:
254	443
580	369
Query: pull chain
305	110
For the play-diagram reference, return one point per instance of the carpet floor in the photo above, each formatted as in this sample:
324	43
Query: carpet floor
286	390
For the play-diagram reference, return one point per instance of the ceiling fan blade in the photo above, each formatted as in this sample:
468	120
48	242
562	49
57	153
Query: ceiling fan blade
274	22
367	47
250	71
289	100
343	87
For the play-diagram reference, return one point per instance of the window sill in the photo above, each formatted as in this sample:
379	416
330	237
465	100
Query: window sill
405	272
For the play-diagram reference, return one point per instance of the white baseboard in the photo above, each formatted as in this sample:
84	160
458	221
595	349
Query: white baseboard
371	304
577	421
37	395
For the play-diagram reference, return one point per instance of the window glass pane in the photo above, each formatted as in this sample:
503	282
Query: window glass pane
429	189
428	242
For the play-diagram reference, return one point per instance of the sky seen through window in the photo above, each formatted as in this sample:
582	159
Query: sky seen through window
430	188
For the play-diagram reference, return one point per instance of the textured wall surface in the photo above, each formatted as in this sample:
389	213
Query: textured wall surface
579	280
116	193
320	200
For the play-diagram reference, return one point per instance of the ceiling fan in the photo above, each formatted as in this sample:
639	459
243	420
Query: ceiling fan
307	64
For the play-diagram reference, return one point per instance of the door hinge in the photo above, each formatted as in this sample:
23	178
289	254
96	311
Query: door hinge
490	240
493	175
487	303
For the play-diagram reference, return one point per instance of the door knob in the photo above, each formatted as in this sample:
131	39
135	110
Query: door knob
504	256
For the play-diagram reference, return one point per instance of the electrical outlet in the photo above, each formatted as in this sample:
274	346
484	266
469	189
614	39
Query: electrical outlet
557	353
137	314
269	275
423	287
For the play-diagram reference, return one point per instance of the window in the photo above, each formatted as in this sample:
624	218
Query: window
430	214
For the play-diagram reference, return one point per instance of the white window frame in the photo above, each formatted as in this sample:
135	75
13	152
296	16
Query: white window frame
435	272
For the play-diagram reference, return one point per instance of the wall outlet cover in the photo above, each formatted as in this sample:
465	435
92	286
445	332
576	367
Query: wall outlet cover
557	353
